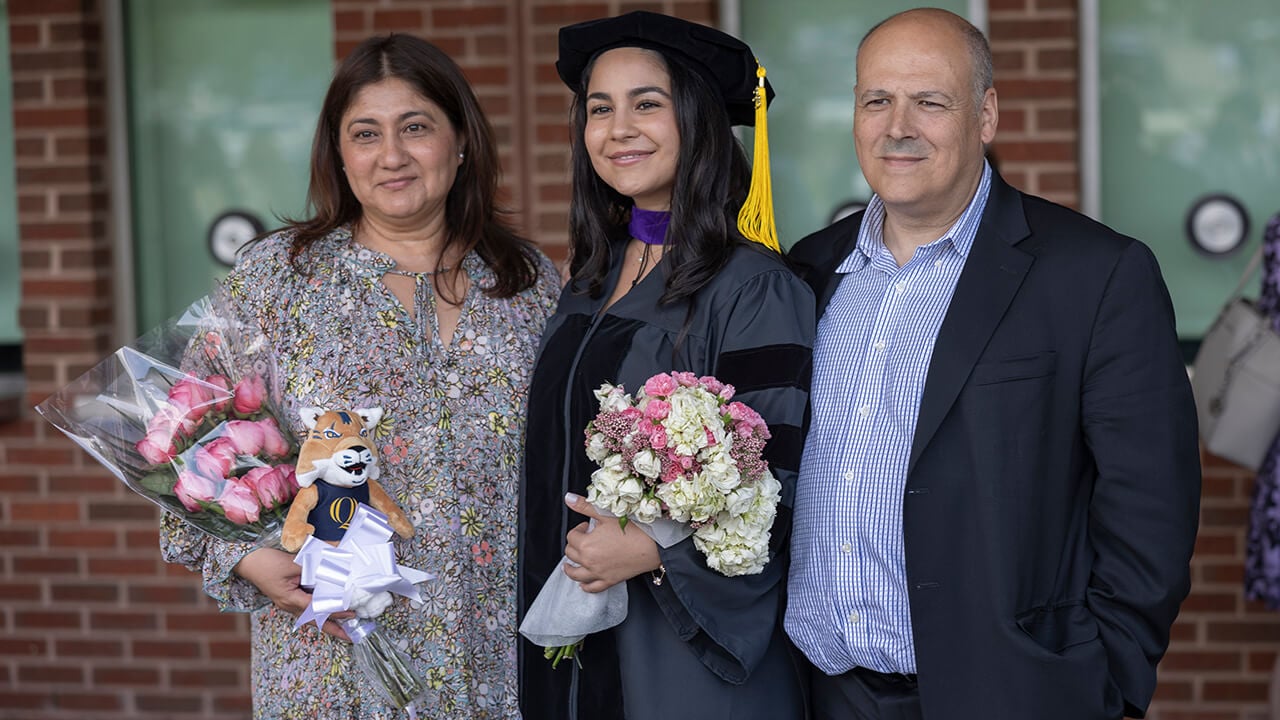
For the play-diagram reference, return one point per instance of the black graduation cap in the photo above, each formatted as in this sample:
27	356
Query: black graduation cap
721	59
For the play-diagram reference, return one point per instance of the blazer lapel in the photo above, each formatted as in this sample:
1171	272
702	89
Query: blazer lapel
991	277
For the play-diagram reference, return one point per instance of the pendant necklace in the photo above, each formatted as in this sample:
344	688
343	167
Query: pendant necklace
650	228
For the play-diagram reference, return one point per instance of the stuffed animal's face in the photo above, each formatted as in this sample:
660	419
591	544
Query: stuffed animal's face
338	447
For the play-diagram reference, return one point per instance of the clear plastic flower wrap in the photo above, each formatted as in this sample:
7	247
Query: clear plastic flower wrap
360	574
188	417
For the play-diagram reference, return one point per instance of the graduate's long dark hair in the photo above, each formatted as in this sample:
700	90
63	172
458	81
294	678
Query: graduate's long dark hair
712	178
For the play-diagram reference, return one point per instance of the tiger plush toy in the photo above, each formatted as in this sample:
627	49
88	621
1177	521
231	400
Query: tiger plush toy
338	453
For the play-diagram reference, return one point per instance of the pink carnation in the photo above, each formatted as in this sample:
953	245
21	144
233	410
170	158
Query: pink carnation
685	379
711	384
658	438
660	385
657	409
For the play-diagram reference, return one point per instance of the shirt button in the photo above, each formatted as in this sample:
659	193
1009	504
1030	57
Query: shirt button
846	548
854	618
849	476
901	286
879	345
937	263
864	411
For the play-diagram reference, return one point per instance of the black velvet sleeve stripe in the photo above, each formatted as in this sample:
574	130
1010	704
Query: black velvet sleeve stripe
784	447
765	367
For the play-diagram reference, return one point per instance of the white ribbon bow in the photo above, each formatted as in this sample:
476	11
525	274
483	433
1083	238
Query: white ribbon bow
356	573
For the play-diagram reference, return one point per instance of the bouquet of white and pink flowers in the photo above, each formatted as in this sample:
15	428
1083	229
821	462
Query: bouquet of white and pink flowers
204	443
679	458
682	449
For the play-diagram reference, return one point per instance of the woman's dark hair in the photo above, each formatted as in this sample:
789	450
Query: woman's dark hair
473	220
712	178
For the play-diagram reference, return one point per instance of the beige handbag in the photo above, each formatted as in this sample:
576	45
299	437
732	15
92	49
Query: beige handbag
1236	380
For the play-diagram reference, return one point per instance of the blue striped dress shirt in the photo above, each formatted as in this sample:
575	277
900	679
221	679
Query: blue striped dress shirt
847	604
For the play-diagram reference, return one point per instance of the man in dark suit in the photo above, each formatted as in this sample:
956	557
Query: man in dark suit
1000	486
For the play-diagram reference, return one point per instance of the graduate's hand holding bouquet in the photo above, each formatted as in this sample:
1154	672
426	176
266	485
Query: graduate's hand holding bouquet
679	458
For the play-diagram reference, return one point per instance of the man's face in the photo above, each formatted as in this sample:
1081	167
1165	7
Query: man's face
918	132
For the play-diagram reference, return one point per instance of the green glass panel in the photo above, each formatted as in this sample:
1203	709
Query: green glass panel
10	282
1189	107
809	50
223	100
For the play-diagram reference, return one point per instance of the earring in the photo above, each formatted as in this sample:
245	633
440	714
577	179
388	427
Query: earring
461	155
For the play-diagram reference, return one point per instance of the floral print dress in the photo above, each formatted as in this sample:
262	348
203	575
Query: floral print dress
451	446
1262	554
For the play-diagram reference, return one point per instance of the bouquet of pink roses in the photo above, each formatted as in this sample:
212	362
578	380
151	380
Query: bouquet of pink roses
205	442
679	458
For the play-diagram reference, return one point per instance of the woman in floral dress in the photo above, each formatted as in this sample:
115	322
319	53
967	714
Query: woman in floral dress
403	290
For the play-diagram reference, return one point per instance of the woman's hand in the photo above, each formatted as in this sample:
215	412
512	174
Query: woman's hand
605	554
278	577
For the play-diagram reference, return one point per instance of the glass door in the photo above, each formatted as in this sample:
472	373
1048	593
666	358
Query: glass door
223	96
809	50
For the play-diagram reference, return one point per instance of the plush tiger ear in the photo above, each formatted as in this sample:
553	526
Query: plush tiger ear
309	416
370	416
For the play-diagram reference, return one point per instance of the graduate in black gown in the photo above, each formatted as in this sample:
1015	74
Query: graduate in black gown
662	280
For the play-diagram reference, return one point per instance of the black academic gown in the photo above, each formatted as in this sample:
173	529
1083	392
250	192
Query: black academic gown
701	644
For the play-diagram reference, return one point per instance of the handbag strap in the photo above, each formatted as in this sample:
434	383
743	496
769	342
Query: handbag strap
1248	273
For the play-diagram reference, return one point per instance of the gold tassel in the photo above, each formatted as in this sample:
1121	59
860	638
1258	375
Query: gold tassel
755	219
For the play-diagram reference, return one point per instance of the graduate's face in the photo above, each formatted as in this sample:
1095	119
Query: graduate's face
917	128
400	153
631	134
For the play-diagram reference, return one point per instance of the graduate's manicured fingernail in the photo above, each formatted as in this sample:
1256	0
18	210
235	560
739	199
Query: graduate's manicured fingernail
572	498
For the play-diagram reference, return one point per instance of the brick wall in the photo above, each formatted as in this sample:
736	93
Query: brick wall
1034	46
95	624
93	621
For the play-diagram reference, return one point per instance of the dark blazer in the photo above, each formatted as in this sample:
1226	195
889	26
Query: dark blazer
1053	489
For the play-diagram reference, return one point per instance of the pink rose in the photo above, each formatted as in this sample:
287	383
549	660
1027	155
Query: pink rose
239	502
271	485
220	392
157	447
216	458
657	409
661	384
245	436
193	489
711	384
249	394
174	419
274	445
726	392
192	395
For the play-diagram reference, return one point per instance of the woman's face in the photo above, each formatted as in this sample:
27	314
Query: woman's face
400	154
631	134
